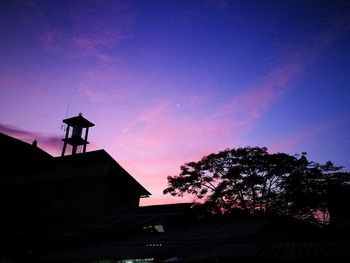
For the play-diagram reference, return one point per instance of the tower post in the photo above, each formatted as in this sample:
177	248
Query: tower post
86	136
65	141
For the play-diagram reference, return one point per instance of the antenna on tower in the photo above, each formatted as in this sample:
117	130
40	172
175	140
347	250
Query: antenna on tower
67	110
63	126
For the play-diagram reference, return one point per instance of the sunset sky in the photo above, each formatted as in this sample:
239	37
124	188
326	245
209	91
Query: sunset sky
169	81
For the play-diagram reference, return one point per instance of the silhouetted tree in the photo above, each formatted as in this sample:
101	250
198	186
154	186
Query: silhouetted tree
306	192
256	181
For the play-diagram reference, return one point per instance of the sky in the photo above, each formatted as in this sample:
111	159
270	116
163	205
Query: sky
168	82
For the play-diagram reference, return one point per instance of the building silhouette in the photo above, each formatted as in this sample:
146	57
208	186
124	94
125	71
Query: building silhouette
84	207
70	187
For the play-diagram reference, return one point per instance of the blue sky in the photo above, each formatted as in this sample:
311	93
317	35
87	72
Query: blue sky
167	82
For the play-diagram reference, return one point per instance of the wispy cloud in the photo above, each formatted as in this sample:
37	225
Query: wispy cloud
86	33
165	128
9	82
94	94
49	143
104	84
249	106
294	140
94	26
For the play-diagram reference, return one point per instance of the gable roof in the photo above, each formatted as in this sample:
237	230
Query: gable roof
19	155
101	156
34	165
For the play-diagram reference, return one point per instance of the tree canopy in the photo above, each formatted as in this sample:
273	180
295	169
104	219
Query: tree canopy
256	181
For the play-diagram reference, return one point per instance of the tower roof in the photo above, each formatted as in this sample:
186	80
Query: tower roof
78	120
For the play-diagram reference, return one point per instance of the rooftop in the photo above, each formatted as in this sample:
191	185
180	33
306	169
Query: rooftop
78	120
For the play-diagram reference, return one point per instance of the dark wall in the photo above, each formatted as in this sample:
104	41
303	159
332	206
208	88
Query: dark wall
91	200
339	206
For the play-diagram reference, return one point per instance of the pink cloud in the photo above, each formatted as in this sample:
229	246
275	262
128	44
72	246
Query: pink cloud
290	142
50	143
249	106
164	137
9	82
75	47
95	26
153	142
95	94
168	129
104	84
164	128
57	40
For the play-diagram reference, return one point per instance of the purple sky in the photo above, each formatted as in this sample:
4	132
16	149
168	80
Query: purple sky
167	82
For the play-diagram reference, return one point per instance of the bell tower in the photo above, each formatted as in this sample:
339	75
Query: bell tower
78	124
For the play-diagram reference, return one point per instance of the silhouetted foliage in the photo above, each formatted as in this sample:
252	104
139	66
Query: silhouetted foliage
258	182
